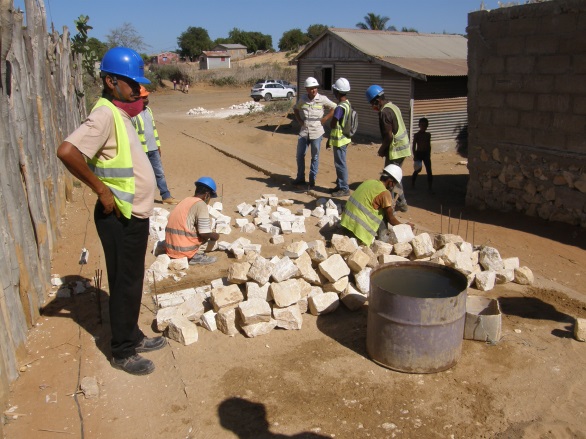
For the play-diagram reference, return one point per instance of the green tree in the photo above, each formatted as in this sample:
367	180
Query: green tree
97	46
375	22
252	40
193	42
292	39
409	29
80	44
126	36
315	30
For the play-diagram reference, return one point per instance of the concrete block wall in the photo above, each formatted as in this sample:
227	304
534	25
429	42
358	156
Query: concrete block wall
527	110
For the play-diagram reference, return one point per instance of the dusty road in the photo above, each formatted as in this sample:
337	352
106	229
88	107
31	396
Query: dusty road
316	382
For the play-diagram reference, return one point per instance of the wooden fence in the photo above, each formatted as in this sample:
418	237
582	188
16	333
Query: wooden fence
41	102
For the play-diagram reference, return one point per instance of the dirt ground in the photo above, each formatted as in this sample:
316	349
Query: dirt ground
319	381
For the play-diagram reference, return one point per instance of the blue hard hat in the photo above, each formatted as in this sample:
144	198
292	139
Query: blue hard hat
124	62
209	183
373	92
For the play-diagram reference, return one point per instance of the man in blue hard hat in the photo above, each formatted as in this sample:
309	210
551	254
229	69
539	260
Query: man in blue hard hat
395	138
189	225
105	153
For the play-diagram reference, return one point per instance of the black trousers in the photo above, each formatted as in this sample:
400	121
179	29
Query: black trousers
426	159
124	242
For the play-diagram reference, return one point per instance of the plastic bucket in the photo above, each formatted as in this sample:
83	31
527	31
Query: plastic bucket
416	316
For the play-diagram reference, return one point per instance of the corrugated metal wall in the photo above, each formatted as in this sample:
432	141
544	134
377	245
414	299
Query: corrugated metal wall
447	117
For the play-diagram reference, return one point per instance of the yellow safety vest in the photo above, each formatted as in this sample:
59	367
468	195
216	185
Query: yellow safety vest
359	216
337	137
400	145
138	123
117	173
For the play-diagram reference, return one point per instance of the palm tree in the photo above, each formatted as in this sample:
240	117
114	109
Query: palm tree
374	22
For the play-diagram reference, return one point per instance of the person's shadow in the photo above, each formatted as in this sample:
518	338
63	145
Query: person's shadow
248	420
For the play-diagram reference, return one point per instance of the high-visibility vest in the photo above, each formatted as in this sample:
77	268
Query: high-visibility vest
117	173
138	123
337	137
400	145
359	216
180	241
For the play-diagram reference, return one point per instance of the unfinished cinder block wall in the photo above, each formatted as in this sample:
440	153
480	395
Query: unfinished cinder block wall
527	110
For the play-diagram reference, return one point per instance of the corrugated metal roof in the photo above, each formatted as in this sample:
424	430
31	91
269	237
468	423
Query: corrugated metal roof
412	53
215	53
232	46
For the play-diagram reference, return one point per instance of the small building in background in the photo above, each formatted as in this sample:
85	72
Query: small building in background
214	59
236	51
165	58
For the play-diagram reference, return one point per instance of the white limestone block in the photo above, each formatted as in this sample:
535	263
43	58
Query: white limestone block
511	263
286	202
357	260
226	321
317	251
334	268
248	228
344	245
182	330
338	286
490	259
352	298
306	269
225	297
381	248
261	328
241	222
223	229
224	245
208	320
323	303
218	206
372	258
447	254
164	315
261	270
463	263
238	272
403	249
220	282
254	311
524	276
485	280
285	293
244	209
192	309
443	239
401	233
422	246
506	275
362	280
289	317
277	239
304	212
318	212
286	227
580	329
295	249
298	227
333	213
284	269
256	291
385	259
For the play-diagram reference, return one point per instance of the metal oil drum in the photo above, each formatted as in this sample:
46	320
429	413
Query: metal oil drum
416	316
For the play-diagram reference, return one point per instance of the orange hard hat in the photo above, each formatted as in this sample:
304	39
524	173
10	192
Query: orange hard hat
143	92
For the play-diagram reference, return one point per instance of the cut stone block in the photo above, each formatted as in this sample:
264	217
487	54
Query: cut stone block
304	287
286	227
208	320
252	248
298	227
244	209
334	268
357	261
338	286
344	245
385	259
443	239
403	249
381	248
295	249
318	212
422	246
304	212
323	303
485	280
352	298
289	317
504	276
238	272
241	222
326	221
372	258
179	264
254	311
285	293
511	263
448	254
182	330
463	264
220	282
465	247
284	269
250	257
248	228
226	321
218	206
524	276
261	270
192	309
286	203
362	280
164	315
175	297
317	251
261	328
401	233
223	229
580	329
490	259
273	201
277	239
224	297
256	291
306	269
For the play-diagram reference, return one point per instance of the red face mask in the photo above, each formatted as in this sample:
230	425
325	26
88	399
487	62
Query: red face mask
131	108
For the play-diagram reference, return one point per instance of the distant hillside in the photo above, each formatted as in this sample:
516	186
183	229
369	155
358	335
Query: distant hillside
265	58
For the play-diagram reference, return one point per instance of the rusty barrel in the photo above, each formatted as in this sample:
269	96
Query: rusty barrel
416	316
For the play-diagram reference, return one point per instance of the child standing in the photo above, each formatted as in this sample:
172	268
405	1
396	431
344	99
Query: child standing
422	153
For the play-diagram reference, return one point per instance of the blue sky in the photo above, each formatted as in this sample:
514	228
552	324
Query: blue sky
161	22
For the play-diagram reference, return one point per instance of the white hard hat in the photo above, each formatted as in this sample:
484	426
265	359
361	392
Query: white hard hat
342	85
394	171
311	82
